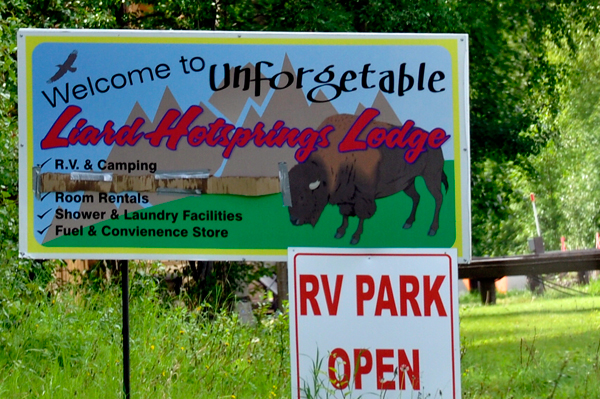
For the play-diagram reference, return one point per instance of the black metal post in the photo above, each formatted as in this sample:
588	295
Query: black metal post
123	265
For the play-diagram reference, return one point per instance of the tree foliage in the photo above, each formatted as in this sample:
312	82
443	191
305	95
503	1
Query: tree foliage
573	159
564	173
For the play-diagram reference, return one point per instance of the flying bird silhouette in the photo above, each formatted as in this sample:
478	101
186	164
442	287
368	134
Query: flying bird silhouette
67	66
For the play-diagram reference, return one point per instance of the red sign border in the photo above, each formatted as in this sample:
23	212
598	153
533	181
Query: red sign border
378	255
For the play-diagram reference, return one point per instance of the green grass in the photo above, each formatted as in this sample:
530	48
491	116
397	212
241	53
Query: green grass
532	347
68	345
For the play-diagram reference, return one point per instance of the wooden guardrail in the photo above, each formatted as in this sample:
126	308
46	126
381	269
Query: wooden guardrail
521	265
487	270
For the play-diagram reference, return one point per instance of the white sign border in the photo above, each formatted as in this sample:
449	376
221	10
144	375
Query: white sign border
451	253
25	174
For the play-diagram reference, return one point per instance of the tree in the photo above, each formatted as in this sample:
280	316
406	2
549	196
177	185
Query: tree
576	150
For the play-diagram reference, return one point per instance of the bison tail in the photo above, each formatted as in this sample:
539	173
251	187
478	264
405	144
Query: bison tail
445	180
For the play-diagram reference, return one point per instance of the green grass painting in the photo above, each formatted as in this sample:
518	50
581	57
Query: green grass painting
276	232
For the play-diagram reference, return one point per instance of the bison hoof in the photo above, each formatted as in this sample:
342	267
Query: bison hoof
407	225
295	221
432	232
354	240
338	235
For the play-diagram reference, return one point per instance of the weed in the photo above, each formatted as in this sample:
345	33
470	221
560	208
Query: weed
530	349
557	380
597	359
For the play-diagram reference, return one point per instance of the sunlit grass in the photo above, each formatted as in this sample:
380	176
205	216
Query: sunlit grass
532	347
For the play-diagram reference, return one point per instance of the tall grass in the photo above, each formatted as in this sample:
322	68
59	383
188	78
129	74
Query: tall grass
69	345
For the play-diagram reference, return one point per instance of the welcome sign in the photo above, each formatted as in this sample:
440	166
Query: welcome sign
237	145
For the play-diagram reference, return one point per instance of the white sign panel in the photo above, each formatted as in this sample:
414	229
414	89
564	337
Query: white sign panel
374	323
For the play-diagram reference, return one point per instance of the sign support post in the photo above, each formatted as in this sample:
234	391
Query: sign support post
123	266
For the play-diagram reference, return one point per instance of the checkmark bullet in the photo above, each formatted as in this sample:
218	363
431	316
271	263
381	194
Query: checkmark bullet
44	196
42	165
44	214
46	228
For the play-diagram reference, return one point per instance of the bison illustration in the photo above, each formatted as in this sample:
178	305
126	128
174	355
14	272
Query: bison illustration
354	180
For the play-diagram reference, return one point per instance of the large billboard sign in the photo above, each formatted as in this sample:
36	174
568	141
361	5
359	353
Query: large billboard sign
237	145
374	323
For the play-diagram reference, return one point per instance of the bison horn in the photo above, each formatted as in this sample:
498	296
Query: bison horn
314	185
